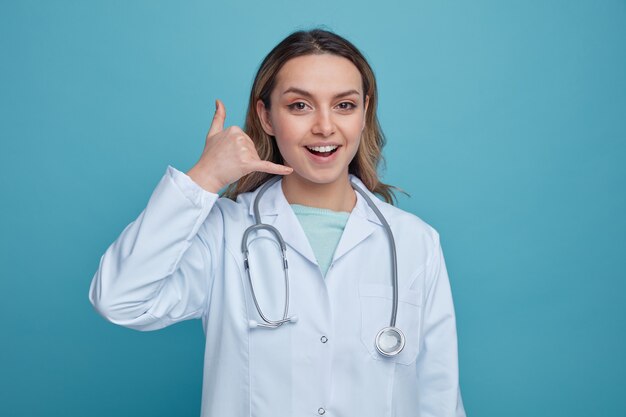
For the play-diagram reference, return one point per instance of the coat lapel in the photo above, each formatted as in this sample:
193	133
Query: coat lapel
361	223
276	211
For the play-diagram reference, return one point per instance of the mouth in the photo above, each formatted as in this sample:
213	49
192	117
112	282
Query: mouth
323	151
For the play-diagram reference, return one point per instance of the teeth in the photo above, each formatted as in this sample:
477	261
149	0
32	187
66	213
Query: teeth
323	148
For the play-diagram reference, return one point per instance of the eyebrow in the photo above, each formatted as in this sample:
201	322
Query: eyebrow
307	94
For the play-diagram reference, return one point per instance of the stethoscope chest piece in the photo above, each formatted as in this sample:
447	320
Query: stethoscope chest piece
390	341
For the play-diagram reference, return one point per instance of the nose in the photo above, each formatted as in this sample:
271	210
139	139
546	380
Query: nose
323	124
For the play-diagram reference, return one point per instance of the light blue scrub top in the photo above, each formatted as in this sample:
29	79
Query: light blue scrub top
323	228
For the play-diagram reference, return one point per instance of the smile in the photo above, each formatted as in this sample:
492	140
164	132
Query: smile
322	150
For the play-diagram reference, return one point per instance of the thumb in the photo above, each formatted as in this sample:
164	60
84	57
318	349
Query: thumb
217	125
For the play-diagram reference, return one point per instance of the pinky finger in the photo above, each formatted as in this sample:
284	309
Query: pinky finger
272	168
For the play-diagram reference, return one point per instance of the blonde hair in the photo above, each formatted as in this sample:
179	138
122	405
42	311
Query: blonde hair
365	163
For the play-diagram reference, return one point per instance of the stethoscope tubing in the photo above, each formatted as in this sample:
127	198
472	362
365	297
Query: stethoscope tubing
267	323
392	248
244	248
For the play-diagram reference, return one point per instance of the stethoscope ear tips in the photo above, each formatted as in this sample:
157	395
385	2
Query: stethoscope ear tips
293	319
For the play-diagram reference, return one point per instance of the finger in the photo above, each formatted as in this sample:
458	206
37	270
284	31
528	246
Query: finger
272	168
217	125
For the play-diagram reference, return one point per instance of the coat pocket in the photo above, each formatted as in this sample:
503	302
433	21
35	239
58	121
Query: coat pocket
376	307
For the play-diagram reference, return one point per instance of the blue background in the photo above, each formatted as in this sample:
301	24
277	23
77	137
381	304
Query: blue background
506	122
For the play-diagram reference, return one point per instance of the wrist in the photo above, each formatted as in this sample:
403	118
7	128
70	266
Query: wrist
204	179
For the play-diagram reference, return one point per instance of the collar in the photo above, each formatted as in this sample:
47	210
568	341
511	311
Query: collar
273	201
276	211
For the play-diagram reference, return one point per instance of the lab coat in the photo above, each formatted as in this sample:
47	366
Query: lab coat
181	259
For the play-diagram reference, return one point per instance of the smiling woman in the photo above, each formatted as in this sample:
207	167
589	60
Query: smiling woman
358	88
367	328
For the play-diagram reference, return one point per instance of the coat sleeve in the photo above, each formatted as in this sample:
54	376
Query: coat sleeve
159	270
437	364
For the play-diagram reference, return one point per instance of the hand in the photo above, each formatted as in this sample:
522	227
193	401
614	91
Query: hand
228	155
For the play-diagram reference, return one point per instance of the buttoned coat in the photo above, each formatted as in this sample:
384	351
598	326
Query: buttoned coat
182	259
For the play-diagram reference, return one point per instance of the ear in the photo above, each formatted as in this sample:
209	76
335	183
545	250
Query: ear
264	117
367	102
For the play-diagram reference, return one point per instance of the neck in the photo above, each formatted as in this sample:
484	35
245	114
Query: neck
336	196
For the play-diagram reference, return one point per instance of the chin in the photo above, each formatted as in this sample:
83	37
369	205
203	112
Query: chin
321	177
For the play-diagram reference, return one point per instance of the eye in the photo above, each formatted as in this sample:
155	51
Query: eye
297	106
346	105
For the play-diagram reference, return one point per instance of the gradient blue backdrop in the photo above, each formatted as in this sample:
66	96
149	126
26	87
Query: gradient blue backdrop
505	122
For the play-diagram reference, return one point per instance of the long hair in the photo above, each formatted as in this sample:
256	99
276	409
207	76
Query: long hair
365	163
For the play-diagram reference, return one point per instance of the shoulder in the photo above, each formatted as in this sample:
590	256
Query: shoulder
407	225
234	210
224	221
238	210
407	228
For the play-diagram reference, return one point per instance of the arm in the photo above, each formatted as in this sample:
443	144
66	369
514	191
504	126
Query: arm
437	365
159	270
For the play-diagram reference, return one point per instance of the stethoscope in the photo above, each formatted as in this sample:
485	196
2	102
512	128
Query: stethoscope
389	340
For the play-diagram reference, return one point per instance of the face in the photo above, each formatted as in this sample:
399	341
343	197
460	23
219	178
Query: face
317	116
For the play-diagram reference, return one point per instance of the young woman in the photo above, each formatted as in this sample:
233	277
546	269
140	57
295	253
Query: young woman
316	297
